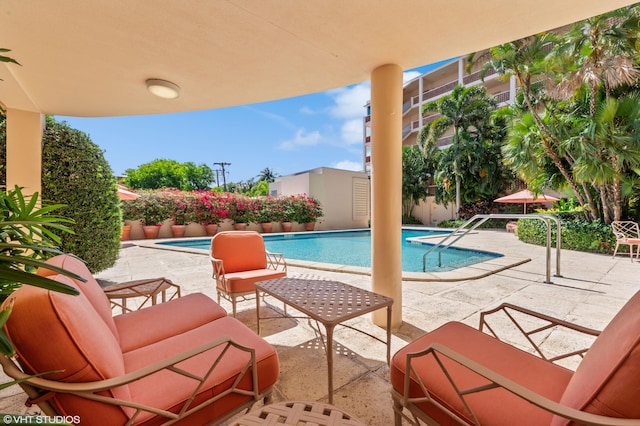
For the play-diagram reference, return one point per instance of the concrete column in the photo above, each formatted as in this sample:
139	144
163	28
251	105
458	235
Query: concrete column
24	150
386	183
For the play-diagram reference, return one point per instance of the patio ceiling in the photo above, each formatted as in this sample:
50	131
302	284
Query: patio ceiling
92	57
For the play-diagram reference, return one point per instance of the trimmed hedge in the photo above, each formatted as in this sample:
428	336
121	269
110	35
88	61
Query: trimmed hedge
75	173
594	237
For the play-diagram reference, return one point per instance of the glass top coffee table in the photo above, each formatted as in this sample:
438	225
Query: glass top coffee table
329	303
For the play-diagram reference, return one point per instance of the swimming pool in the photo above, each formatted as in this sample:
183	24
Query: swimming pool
354	248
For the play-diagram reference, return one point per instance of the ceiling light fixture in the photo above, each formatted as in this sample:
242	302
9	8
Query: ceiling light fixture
163	89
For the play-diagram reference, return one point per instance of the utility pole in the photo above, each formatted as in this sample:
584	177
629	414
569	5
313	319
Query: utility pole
224	178
217	172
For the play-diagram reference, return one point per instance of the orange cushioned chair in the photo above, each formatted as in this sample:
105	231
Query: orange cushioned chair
239	260
460	375
183	360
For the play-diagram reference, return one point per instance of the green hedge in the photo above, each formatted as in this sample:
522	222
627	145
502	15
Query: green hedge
75	173
594	237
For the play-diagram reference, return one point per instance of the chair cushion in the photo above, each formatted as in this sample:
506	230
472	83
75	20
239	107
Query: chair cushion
55	331
156	323
239	250
607	381
494	407
91	289
241	282
166	389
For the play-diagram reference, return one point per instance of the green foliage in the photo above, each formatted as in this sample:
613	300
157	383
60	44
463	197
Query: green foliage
27	237
594	237
152	207
410	220
416	173
164	173
259	189
75	173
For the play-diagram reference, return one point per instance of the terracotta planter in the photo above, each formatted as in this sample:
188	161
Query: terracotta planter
126	233
267	227
310	226
240	226
178	230
286	226
151	231
212	228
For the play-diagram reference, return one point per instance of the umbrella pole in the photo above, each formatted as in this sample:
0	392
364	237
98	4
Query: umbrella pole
525	207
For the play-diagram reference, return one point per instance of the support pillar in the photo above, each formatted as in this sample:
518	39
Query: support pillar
24	150
386	189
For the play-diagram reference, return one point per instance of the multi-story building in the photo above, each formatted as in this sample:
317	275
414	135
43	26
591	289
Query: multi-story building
431	86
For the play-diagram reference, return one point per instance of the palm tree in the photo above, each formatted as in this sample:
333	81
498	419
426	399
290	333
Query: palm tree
267	175
467	110
524	59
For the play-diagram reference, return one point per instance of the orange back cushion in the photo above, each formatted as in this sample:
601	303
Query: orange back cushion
55	331
91	289
239	250
607	381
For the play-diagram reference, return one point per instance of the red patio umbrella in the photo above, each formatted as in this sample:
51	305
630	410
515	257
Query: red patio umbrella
125	194
525	196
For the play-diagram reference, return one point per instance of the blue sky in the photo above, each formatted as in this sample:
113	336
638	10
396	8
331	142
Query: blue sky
288	136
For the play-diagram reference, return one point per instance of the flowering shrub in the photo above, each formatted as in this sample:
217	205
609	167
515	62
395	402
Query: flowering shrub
206	207
306	209
210	208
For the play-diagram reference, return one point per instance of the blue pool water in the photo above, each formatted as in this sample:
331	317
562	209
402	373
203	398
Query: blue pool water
354	248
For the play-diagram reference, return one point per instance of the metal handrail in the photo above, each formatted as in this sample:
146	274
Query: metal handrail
482	218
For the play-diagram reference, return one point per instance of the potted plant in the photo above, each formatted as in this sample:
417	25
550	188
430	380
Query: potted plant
181	214
153	213
240	212
287	213
307	211
262	210
210	211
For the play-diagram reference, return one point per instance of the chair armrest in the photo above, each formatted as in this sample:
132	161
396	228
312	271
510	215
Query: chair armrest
439	351
551	322
89	390
276	261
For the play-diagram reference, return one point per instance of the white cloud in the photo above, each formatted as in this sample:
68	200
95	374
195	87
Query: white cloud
349	101
351	131
409	75
348	165
305	110
301	139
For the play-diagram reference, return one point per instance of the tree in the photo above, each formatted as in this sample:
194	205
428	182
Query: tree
76	174
163	173
415	178
593	63
467	110
196	177
267	175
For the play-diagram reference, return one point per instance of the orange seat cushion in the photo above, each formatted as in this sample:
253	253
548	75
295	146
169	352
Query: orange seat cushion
91	289
169	390
156	323
492	407
239	250
607	381
55	331
245	281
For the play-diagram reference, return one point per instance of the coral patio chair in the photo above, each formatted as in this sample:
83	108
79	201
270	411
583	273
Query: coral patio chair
627	233
460	375
239	260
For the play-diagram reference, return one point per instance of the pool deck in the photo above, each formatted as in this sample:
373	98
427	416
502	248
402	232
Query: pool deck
590	291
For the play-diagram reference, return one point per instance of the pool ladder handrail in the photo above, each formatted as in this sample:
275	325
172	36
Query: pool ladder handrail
482	218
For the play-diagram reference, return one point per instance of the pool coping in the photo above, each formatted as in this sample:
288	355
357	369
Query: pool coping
472	272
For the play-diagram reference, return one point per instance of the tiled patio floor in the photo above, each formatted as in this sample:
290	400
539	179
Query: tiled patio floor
590	291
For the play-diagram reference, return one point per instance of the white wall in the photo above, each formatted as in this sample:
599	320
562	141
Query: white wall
431	213
334	189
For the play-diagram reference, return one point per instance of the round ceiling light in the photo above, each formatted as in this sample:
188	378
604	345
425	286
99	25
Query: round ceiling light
163	89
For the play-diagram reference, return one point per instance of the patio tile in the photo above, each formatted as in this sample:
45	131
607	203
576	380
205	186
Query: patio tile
590	292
